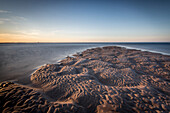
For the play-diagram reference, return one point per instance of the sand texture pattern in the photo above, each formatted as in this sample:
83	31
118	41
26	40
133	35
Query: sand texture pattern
18	99
100	80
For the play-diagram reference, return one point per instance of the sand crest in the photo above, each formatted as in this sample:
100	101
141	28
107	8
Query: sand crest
108	79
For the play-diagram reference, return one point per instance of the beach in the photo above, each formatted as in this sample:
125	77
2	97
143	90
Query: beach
98	80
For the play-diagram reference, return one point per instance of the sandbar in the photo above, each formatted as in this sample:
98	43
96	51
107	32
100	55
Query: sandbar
98	80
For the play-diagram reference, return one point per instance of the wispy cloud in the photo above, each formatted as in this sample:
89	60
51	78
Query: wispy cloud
18	18
4	11
10	37
3	20
54	32
33	32
12	20
30	33
21	33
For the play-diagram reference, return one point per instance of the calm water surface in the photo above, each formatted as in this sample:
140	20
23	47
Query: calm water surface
18	61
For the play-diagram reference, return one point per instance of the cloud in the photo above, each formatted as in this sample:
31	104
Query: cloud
18	18
4	11
10	37
33	32
13	20
27	35
54	32
3	20
10	18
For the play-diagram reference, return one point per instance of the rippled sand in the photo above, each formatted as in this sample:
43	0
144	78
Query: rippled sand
108	79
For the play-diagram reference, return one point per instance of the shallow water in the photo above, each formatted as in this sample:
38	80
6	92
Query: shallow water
163	48
19	60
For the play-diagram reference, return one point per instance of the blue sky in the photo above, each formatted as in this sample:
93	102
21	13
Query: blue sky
84	21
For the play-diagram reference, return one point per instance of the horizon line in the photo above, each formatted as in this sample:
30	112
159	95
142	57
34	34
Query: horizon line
74	42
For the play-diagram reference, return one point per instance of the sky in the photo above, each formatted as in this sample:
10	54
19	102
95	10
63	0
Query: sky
84	20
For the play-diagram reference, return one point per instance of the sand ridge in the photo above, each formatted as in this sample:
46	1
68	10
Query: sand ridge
19	99
108	79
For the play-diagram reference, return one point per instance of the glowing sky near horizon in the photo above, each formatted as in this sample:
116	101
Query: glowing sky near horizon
84	21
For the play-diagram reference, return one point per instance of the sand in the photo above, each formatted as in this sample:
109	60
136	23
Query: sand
99	80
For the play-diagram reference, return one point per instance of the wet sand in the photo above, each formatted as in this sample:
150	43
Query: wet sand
101	80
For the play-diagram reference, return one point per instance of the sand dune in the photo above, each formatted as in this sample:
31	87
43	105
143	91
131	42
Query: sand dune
108	79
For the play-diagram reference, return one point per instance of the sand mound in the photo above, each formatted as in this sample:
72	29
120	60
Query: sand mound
18	99
108	79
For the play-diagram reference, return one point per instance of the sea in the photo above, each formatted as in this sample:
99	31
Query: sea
19	60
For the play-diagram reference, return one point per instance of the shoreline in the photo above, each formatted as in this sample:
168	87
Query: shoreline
152	51
127	47
107	78
52	61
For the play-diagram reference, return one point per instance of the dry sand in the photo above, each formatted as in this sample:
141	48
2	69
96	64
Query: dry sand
102	80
